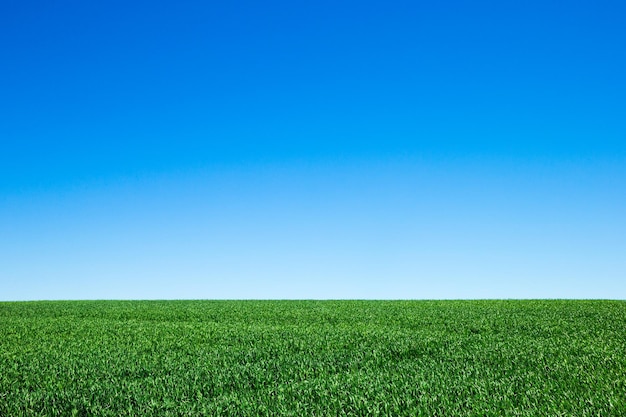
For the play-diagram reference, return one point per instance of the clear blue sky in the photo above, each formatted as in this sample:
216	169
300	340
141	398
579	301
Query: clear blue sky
321	149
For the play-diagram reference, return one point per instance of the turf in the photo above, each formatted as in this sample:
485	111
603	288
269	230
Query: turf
305	358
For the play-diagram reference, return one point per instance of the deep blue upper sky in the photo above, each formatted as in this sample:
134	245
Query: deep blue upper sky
519	103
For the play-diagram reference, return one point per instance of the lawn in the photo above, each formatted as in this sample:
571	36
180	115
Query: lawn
305	358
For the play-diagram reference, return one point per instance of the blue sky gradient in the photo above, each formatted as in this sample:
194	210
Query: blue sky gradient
312	150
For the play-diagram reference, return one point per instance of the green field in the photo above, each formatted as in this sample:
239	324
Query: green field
302	358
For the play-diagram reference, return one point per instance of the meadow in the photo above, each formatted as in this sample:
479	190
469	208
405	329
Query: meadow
313	358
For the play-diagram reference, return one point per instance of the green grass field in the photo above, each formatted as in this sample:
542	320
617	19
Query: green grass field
303	358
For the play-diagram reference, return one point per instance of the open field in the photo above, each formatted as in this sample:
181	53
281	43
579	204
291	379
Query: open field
431	358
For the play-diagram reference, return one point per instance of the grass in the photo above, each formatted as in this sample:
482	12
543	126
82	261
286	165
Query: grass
302	358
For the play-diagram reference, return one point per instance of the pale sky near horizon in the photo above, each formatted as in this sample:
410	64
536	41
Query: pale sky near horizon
379	150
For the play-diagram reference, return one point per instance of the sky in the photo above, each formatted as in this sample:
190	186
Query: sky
312	150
